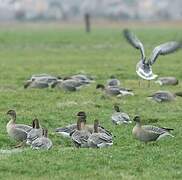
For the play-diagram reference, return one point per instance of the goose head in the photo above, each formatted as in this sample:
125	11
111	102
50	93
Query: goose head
100	86
12	114
45	132
116	108
137	119
35	124
27	84
81	118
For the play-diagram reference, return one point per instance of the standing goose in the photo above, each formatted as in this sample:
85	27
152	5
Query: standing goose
42	142
164	96
115	91
147	133
99	140
119	117
167	81
17	132
35	132
80	135
144	66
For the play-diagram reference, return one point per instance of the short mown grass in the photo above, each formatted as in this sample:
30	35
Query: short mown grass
104	52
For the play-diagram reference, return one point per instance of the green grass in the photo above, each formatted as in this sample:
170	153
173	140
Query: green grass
104	52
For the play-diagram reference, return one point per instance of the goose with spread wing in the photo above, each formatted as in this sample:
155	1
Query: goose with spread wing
144	66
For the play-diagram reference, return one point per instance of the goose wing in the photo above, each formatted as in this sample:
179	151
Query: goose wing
68	129
24	127
164	49
134	41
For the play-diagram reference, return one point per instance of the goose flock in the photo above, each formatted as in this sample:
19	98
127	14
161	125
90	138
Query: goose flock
82	134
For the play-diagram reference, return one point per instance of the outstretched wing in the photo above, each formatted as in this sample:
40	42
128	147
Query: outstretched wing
164	49
134	41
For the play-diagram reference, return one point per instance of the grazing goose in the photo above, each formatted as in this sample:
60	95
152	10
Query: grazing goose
144	66
167	81
42	142
35	84
99	140
68	84
147	133
65	131
35	132
46	78
115	91
82	78
113	82
164	96
119	117
80	135
17	132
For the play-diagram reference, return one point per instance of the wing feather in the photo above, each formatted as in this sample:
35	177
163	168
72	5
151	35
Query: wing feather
134	41
164	49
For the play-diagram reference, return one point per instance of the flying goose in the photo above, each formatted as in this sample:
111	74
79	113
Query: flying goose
17	132
97	139
167	81
144	66
35	132
147	133
115	91
42	142
119	117
164	96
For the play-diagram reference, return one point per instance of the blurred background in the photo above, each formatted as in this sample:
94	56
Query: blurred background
74	10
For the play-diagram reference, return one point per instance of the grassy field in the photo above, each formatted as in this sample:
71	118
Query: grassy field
104	52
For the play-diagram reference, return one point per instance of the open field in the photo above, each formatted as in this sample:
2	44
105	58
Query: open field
104	52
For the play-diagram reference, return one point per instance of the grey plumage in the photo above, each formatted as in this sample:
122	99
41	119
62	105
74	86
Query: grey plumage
147	133
35	132
115	91
163	96
99	140
84	79
42	142
80	135
167	81
134	41
17	132
35	84
113	82
164	49
68	85
41	81
65	131
144	66
119	117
